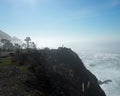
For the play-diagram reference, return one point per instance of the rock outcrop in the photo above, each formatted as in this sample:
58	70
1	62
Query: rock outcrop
60	72
69	73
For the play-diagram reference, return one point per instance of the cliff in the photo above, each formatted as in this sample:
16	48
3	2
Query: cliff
52	72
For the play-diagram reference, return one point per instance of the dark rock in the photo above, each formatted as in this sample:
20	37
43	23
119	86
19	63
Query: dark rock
69	73
62	73
104	82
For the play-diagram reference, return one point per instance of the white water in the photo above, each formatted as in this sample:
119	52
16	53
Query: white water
105	65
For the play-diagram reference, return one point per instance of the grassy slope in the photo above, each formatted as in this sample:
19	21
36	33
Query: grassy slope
12	80
5	62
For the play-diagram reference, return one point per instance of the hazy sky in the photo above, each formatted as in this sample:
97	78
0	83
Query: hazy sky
57	22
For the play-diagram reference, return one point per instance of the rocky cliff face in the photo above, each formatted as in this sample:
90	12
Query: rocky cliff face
60	72
70	74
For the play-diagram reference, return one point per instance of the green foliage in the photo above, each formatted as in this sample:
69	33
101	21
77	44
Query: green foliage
5	61
23	68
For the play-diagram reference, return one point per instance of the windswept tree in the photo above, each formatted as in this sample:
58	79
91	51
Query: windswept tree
28	39
17	46
32	45
7	44
24	46
4	41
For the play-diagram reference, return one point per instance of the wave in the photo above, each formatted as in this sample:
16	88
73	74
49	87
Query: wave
106	66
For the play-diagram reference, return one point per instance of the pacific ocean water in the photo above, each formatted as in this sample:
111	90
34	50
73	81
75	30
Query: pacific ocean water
105	64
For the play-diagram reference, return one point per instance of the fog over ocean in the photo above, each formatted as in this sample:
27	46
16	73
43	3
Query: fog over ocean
105	64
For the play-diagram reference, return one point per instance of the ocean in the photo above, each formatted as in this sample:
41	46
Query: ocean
105	64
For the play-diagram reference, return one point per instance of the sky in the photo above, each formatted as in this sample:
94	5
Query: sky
72	23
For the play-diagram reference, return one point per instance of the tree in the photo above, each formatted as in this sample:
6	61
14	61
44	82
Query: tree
17	46
4	40
7	44
32	45
28	39
24	46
